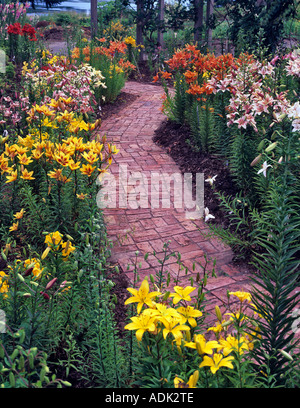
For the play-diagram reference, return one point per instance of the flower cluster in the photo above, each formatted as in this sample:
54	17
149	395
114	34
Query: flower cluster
114	49
4	286
130	41
197	68
115	30
27	30
59	79
248	85
10	14
150	319
55	243
293	64
115	52
60	161
13	108
176	323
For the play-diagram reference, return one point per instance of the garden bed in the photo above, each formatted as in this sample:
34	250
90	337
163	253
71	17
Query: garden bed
174	138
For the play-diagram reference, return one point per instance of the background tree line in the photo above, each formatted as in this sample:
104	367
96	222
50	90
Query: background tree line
252	24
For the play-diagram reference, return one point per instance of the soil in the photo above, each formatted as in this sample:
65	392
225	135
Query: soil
56	32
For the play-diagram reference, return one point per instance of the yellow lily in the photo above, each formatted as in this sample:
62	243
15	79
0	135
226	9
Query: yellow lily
216	362
141	324
181	293
141	296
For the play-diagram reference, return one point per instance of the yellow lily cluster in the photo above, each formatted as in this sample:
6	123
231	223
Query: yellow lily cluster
31	266
4	286
159	315
155	317
60	159
130	41
55	243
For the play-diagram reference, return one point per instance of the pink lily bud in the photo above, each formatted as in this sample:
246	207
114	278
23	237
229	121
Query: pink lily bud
46	296
50	284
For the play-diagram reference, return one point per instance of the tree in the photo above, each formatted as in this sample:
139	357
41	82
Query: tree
198	21
257	22
209	15
161	16
94	18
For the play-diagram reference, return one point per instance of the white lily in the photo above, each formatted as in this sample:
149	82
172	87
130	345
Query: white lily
207	214
264	168
211	180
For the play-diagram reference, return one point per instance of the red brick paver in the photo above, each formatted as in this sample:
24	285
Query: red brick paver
146	229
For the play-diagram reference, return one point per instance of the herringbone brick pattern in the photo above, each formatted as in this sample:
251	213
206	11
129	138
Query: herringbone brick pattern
147	229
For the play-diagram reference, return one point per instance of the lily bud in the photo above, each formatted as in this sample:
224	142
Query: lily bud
261	145
45	295
271	147
50	284
45	253
218	313
256	160
286	355
21	277
199	348
227	323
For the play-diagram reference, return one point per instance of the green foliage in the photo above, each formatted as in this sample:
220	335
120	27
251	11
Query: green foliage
175	105
239	234
25	368
243	148
201	120
258	23
273	293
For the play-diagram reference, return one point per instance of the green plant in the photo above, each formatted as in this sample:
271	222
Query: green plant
25	368
202	124
273	292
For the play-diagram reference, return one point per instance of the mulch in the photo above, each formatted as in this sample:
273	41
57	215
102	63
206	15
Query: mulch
174	139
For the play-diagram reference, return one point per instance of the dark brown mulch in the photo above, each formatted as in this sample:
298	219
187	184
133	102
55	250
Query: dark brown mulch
173	138
121	293
58	33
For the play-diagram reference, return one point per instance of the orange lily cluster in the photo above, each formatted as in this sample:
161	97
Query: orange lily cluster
115	48
197	68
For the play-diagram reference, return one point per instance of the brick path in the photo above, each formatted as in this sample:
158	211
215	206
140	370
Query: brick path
146	229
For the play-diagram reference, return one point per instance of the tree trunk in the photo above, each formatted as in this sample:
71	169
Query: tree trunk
94	18
139	27
198	25
209	12
161	15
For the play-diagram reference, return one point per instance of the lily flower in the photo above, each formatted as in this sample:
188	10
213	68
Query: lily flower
207	214
211	180
141	324
216	362
263	170
141	296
